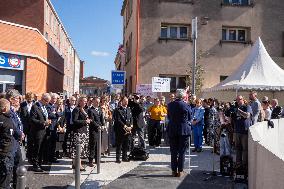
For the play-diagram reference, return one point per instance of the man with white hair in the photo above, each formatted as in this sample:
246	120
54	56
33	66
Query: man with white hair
51	131
179	114
276	110
39	122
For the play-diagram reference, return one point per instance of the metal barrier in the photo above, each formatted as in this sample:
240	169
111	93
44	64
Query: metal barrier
78	165
99	145
21	177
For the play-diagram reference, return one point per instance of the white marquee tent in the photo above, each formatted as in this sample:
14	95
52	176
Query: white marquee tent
258	72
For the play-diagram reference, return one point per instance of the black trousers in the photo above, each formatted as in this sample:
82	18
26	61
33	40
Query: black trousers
122	142
49	145
37	137
154	132
6	170
17	162
178	146
93	145
205	133
67	139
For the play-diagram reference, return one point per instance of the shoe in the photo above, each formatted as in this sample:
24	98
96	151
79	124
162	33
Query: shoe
91	164
199	150
181	173
174	173
194	150
37	169
82	169
126	160
54	160
117	161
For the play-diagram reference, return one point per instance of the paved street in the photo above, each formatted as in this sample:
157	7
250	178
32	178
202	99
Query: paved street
154	173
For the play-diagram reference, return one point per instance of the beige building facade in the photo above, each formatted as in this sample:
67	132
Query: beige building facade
227	30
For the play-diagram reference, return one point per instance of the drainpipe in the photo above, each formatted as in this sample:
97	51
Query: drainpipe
137	41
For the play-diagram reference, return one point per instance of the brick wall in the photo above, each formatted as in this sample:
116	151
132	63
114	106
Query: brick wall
40	77
25	12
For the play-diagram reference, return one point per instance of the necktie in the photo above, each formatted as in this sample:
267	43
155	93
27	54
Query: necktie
45	112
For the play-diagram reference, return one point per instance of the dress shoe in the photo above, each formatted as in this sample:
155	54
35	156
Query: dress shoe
180	174
37	169
174	173
54	160
117	161
126	160
194	150
91	164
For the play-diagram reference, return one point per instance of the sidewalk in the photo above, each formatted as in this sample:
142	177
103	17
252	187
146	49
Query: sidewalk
155	173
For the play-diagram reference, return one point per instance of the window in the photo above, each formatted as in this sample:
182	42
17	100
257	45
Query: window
47	15
177	82
232	35
235	34
223	77
164	32
237	2
173	32
51	21
183	32
169	31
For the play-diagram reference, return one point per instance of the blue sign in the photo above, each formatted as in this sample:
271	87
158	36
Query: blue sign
11	61
118	77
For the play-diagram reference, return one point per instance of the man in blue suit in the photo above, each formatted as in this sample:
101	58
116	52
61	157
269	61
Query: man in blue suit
179	114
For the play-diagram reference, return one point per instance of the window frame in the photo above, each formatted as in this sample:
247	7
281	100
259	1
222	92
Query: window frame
250	3
236	29
168	26
177	79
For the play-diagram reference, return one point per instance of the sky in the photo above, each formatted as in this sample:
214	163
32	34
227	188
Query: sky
95	29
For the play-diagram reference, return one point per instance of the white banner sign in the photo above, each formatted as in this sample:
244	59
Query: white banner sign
145	90
161	84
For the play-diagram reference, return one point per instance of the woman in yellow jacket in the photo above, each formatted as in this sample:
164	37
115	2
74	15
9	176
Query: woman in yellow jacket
157	114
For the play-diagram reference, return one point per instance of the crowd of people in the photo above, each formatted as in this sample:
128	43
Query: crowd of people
49	127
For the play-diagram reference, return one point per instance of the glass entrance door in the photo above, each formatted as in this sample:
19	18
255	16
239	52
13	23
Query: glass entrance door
4	86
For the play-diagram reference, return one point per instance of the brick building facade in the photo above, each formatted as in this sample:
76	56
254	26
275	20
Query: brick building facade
52	45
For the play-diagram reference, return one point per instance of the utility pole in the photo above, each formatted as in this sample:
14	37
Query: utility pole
194	37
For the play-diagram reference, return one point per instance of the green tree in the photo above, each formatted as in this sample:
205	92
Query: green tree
199	71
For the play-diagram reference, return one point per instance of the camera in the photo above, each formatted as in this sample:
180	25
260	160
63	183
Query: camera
224	133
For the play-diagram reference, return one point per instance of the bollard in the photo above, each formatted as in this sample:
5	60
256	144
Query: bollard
77	165
109	137
21	177
99	145
189	155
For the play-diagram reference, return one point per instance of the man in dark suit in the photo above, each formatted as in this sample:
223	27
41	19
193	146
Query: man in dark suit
97	121
123	124
138	122
51	131
69	122
39	122
179	114
25	109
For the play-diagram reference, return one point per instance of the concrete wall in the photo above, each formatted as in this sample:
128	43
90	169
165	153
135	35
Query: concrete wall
266	155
